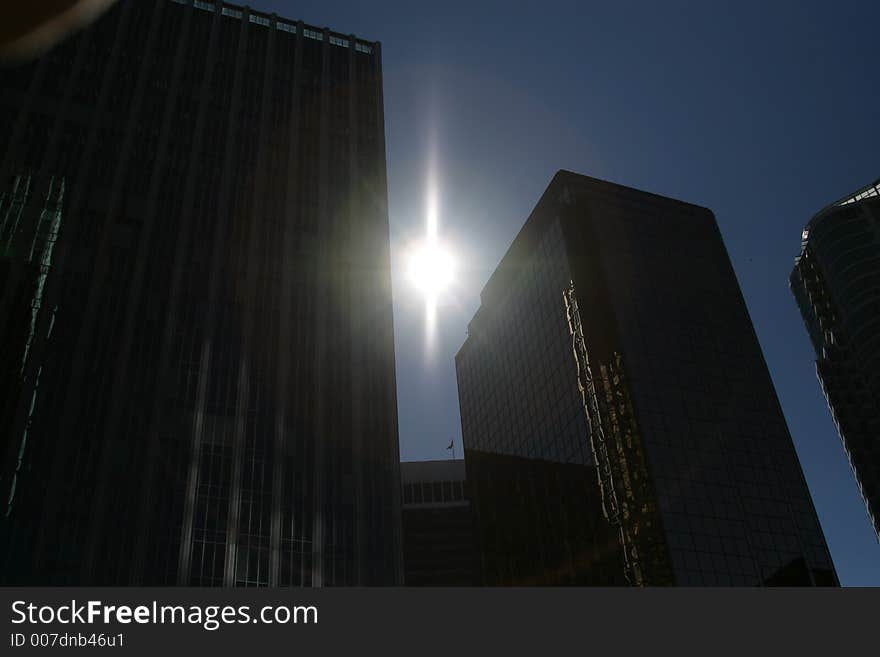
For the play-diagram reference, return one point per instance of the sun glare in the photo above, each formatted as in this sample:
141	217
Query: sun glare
431	268
430	265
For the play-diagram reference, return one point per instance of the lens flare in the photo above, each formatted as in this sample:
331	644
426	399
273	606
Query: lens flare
430	265
431	268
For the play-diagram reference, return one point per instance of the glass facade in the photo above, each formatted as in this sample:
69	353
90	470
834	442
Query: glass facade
836	282
700	483
500	413
219	288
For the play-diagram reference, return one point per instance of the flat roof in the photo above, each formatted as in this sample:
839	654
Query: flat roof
562	181
207	5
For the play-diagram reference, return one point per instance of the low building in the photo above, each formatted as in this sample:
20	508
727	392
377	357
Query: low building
438	532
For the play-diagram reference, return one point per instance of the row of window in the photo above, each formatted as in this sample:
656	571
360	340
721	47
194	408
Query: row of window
873	190
284	27
436	492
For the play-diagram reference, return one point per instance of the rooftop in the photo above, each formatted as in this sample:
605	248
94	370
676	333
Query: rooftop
868	191
285	25
564	185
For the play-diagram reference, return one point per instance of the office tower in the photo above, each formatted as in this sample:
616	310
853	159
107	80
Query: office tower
836	282
198	368
438	530
619	421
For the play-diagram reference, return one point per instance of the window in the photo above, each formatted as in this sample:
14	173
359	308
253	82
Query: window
233	13
206	6
311	34
287	27
336	41
362	47
259	20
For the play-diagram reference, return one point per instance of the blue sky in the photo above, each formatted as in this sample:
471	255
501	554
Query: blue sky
763	112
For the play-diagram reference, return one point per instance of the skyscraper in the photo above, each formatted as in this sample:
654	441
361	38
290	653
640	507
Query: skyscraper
198	367
619	421
836	282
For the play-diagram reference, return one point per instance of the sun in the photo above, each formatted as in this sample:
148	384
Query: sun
431	268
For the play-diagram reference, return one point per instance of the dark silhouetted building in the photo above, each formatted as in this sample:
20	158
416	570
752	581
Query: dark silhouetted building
836	281
619	421
438	530
195	306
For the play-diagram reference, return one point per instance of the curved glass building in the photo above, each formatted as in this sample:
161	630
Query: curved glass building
836	281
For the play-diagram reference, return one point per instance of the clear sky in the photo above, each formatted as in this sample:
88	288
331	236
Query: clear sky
762	111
